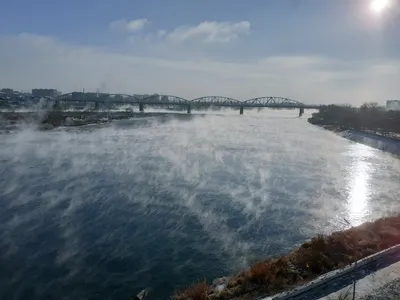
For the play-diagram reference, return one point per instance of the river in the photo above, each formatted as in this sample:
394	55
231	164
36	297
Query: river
103	211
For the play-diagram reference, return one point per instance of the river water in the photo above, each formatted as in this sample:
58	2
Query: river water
103	211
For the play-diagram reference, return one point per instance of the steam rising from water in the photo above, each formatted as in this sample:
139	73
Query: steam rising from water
143	203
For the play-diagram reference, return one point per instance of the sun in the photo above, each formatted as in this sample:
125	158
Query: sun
379	6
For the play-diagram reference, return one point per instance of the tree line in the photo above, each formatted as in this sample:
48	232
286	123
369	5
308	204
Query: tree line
370	116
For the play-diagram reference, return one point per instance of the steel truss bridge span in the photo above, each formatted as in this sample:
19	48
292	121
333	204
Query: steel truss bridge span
207	101
174	100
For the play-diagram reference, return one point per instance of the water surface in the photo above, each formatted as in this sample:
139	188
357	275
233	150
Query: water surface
100	212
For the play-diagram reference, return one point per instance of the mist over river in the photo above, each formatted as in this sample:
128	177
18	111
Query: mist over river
102	211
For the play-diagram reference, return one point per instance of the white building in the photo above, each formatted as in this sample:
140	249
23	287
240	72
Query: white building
393	105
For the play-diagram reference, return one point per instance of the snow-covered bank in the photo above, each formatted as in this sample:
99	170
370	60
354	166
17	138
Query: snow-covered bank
373	140
390	291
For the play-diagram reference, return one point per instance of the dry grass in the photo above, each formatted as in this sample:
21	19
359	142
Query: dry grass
320	255
197	291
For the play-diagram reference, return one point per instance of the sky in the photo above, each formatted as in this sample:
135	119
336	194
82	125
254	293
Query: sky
313	51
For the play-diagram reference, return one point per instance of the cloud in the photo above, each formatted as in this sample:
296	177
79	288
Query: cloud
132	26
30	61
209	32
161	33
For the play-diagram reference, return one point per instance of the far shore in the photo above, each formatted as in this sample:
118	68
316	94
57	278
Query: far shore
369	124
47	120
387	142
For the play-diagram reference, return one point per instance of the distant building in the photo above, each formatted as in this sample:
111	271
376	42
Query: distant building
91	95
138	96
44	93
6	90
393	105
103	95
77	95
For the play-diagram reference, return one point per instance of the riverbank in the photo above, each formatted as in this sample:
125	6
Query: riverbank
318	256
388	142
48	120
375	140
52	119
369	124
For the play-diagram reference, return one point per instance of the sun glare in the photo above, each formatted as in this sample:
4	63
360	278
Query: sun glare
378	6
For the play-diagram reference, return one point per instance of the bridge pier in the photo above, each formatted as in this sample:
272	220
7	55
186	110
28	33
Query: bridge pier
301	111
241	110
141	107
189	109
96	105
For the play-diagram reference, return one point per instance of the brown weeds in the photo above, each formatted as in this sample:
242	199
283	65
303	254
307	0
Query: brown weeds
197	291
320	255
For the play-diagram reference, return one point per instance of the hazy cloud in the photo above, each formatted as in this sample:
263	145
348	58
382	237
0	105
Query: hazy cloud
29	61
132	26
211	31
161	33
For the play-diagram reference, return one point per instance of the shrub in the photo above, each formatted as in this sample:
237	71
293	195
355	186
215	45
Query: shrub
197	291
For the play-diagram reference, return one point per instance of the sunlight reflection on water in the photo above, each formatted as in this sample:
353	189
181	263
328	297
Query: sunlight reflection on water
359	185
